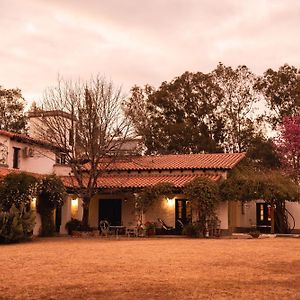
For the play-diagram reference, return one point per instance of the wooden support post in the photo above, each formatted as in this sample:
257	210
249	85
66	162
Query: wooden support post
272	218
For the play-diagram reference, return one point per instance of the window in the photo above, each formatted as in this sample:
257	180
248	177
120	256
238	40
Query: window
16	158
61	158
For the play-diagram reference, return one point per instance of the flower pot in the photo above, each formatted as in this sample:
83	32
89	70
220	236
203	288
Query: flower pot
255	235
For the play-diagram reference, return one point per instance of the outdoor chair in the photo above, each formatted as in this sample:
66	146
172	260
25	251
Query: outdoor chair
132	231
104	227
167	228
181	225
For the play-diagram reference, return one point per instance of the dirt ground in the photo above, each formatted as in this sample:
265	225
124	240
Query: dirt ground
158	268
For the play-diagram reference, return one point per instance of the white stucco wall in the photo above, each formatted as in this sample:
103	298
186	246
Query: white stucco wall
160	209
222	213
247	217
42	161
294	209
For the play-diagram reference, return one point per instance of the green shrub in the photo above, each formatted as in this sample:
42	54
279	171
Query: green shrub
16	224
150	228
17	190
51	193
192	230
73	225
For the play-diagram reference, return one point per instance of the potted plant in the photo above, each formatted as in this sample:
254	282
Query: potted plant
254	233
150	228
73	225
191	230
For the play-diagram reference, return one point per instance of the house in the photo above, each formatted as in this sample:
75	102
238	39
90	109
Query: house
127	175
123	178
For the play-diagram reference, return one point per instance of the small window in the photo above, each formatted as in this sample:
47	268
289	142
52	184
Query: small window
16	158
61	158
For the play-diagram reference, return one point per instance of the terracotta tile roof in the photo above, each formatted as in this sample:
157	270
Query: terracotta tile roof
26	139
124	180
178	161
6	171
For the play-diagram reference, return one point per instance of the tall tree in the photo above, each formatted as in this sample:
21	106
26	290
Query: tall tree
288	145
263	154
281	90
237	106
12	116
87	121
181	116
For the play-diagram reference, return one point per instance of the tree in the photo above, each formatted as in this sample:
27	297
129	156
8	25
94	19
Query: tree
262	153
281	90
180	117
50	195
12	117
17	219
87	122
17	190
288	146
236	107
204	196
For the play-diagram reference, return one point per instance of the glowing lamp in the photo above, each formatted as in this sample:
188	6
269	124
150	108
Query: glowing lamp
33	203
170	201
74	207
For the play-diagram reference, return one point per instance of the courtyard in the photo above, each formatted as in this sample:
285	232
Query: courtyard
153	268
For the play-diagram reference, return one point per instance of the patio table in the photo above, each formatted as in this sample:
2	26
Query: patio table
116	229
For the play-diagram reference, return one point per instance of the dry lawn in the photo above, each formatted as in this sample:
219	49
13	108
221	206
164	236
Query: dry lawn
158	268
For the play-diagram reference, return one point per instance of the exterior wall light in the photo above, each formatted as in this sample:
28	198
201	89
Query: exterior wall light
33	203
74	208
170	201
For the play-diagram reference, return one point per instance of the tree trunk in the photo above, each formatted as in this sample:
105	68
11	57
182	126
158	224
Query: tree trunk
86	210
47	220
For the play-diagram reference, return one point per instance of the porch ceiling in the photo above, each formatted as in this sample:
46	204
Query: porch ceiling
140	180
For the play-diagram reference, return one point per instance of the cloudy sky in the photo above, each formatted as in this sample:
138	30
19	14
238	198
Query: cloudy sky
141	41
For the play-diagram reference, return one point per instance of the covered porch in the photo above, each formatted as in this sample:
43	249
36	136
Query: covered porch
116	202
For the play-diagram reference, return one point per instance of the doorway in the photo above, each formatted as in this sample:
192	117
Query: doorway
183	213
111	211
263	217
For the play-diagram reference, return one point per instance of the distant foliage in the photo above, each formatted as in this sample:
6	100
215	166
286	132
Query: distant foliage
262	153
288	145
281	89
237	106
12	117
181	116
16	224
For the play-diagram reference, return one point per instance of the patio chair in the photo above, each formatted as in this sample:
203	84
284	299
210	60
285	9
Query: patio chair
167	228
132	231
104	227
181	225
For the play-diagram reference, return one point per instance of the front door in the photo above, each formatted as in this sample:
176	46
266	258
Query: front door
263	217
183	213
111	211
